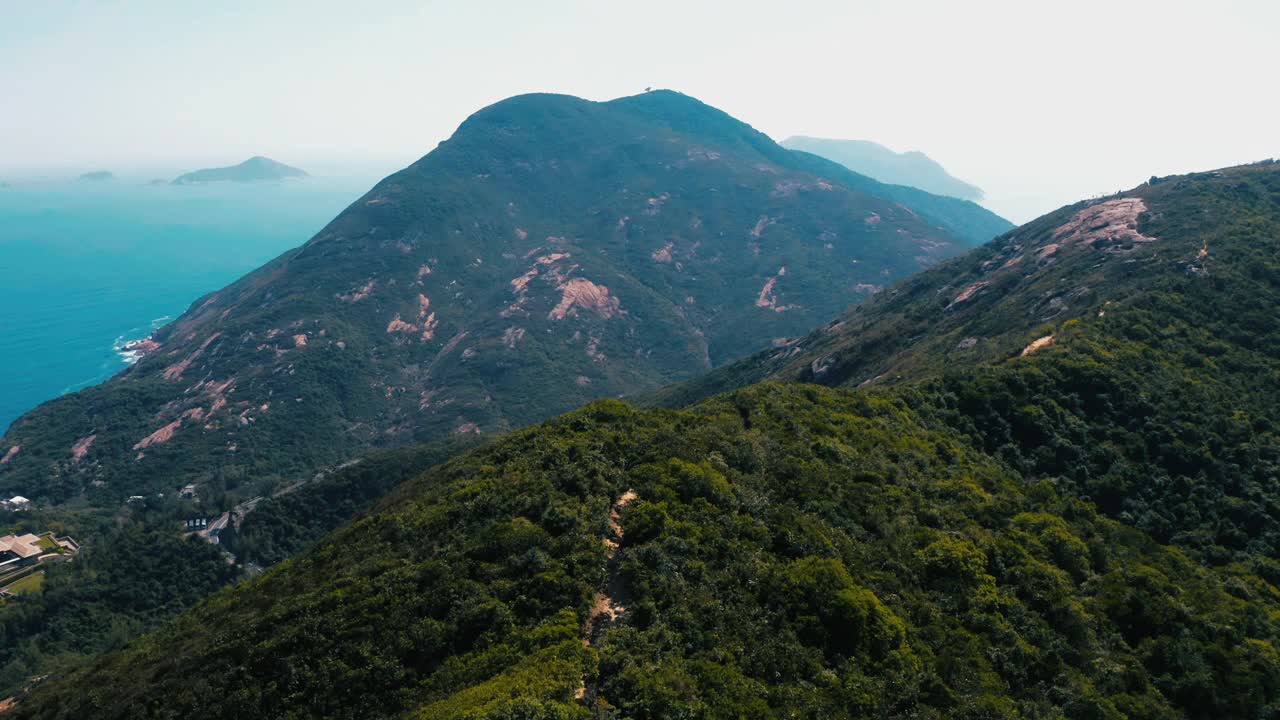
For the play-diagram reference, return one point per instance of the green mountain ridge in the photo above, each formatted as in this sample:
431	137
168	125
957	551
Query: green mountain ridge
553	251
1074	516
1181	266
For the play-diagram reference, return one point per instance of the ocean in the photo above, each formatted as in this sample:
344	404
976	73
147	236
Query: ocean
86	267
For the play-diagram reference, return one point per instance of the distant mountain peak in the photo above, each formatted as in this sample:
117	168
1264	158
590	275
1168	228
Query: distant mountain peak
912	168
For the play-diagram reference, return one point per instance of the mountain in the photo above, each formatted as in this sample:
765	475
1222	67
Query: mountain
1058	497
914	169
1080	523
1125	332
251	170
551	252
97	176
1084	263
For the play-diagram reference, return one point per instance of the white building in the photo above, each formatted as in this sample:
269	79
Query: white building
17	502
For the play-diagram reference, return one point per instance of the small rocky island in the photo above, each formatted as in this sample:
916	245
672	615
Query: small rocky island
252	170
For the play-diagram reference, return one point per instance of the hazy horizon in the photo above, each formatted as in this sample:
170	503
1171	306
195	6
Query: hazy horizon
1037	106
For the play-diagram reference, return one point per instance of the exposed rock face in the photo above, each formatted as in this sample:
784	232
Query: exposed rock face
511	336
1037	344
81	448
1115	220
969	292
768	297
165	434
582	293
174	371
553	251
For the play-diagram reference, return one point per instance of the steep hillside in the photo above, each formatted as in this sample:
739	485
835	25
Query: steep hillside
914	169
786	551
553	251
1151	317
1197	236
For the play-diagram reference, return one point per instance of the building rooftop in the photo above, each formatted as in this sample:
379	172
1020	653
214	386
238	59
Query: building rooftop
24	546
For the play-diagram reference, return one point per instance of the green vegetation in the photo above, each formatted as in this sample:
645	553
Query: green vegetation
1081	528
1157	398
675	237
280	527
793	551
1045	485
132	573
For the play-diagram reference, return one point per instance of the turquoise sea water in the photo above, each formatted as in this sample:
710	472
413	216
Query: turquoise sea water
86	267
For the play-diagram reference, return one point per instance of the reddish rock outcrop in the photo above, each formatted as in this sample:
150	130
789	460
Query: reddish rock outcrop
1037	344
81	447
582	293
165	433
174	371
1110	220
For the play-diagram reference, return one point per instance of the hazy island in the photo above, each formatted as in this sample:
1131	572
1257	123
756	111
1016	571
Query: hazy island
97	176
254	169
874	160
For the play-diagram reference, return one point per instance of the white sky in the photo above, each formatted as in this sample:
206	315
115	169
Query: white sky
1040	103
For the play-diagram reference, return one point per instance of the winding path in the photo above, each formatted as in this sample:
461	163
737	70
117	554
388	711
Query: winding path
605	607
